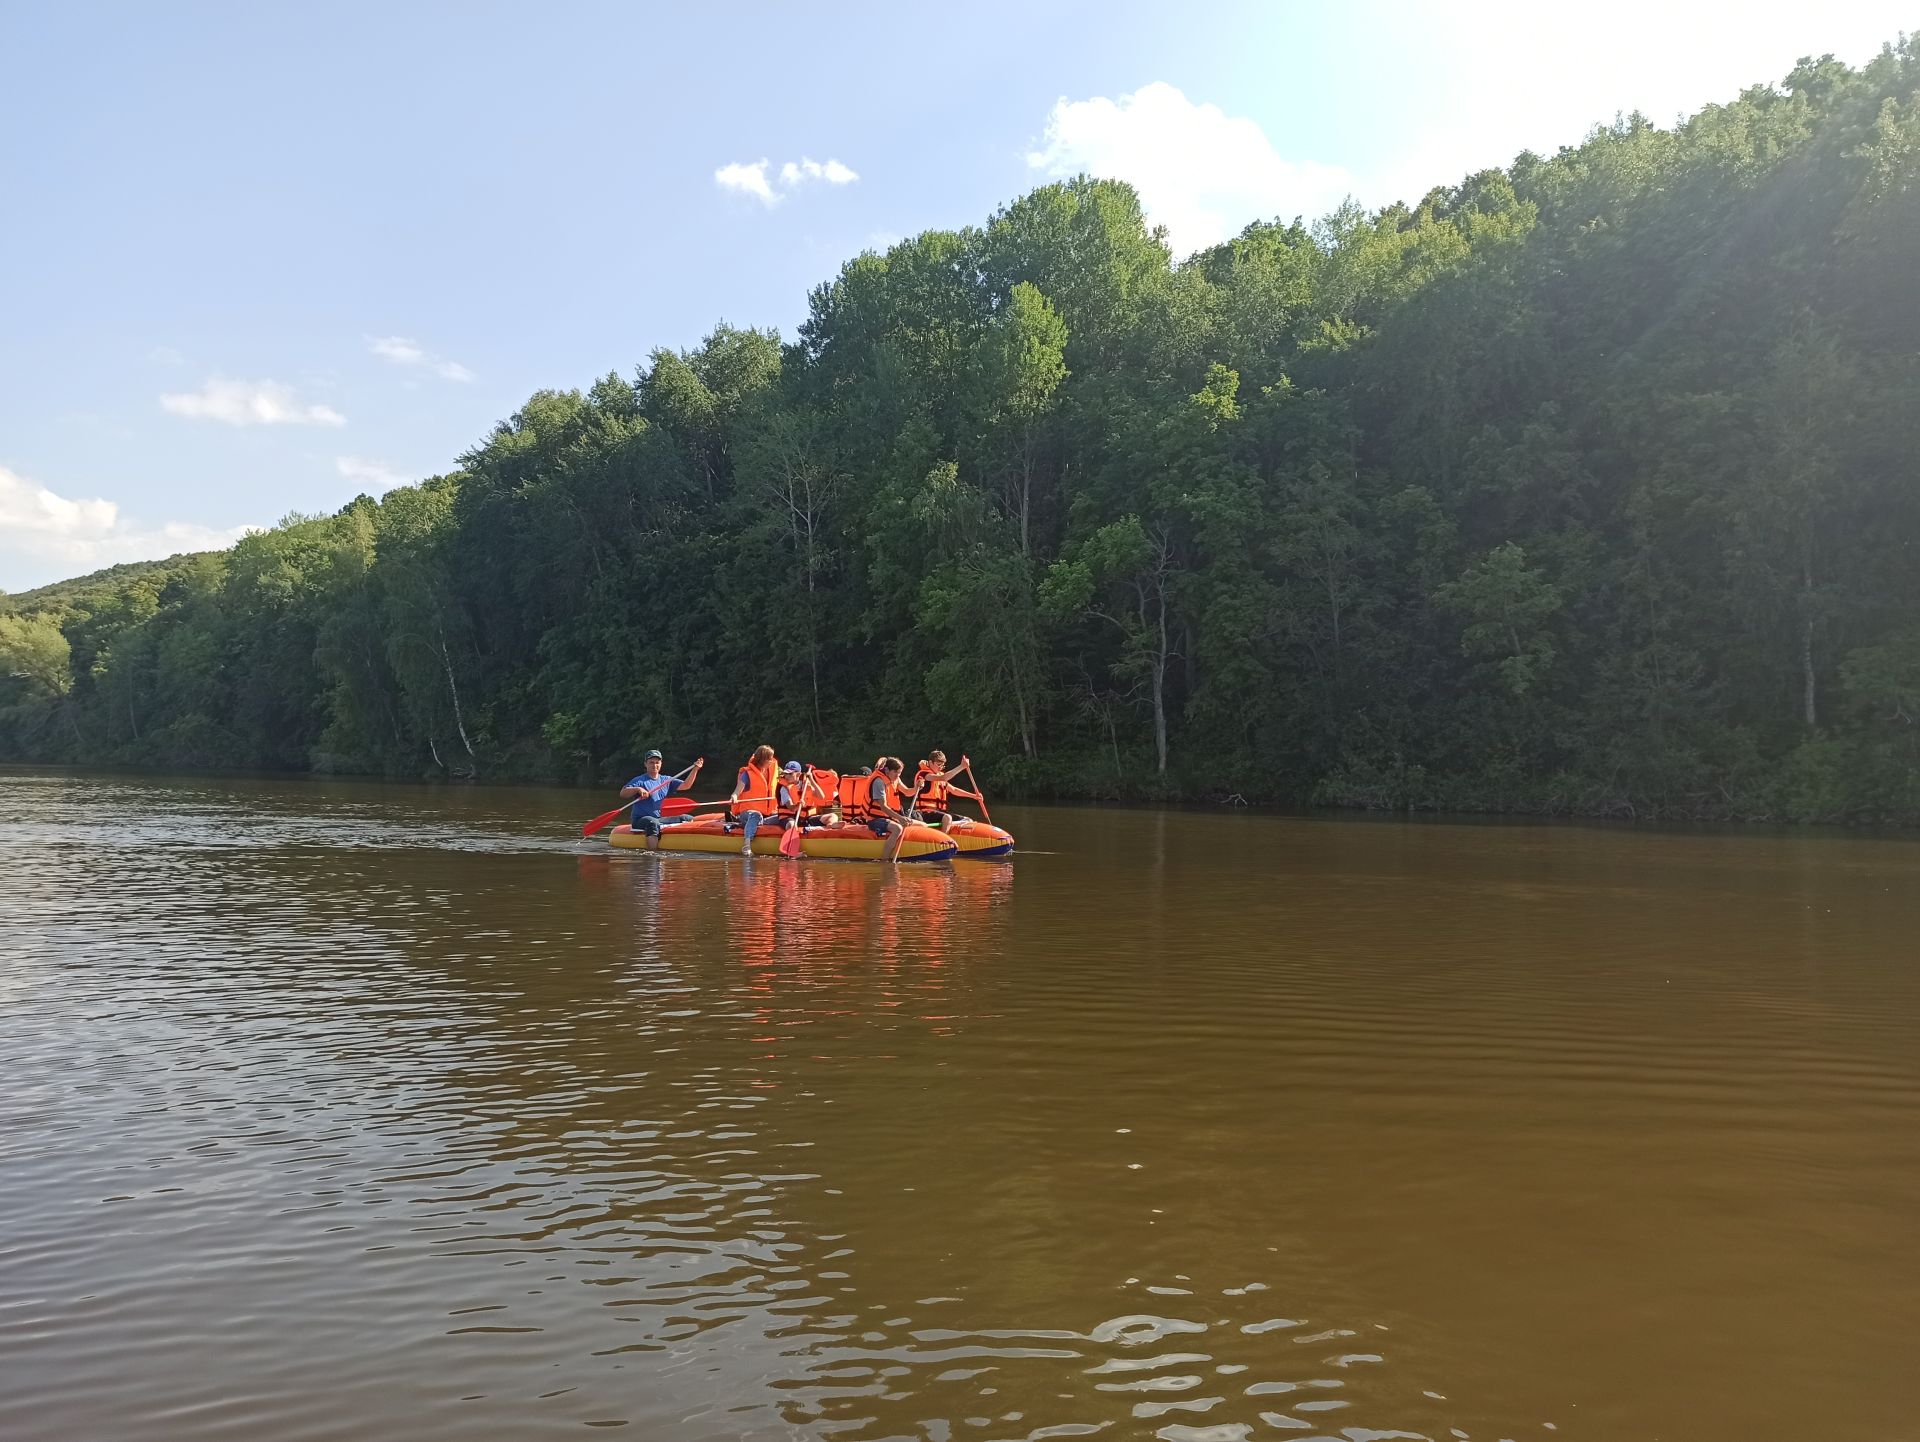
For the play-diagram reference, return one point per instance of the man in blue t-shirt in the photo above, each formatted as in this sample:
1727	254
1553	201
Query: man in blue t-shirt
649	789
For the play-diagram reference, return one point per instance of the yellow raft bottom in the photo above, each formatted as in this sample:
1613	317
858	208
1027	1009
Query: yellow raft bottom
838	843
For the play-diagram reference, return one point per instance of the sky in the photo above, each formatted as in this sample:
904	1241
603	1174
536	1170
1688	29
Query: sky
260	259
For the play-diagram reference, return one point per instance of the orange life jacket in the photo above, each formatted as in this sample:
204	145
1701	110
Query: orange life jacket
826	793
856	796
934	792
807	800
757	794
853	797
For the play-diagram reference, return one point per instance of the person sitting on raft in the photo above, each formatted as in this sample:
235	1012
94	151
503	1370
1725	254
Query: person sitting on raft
880	802
933	792
752	800
648	790
800	797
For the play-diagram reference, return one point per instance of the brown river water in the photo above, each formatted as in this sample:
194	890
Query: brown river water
348	1111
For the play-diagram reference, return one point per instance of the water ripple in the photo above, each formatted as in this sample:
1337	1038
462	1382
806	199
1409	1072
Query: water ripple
342	1111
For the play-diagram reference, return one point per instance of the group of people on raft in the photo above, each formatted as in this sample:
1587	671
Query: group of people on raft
768	794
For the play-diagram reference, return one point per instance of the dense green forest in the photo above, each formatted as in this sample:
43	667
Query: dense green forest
1591	485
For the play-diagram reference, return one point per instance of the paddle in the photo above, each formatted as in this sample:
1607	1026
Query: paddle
672	806
790	838
907	819
682	806
726	801
979	794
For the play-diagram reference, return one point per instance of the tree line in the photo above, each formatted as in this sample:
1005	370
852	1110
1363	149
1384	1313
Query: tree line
1591	485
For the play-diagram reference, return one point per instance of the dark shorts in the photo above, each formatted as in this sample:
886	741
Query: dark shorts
932	817
879	826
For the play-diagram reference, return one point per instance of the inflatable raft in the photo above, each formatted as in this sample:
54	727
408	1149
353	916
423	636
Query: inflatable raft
978	839
839	843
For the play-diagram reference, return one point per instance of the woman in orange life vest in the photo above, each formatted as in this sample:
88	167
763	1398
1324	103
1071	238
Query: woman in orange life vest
935	795
753	799
879	802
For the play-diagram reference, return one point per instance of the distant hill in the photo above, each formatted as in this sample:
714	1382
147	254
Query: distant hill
75	592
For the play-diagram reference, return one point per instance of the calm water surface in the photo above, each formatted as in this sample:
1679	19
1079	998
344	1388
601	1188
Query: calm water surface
338	1111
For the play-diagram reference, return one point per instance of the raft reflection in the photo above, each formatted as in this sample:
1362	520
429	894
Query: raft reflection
814	914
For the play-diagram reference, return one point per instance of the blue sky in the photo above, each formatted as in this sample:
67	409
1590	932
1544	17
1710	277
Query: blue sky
256	259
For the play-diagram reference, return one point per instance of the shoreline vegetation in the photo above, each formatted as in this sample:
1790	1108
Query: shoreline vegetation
1587	487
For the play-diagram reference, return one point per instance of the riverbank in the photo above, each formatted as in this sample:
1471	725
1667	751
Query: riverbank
1783	802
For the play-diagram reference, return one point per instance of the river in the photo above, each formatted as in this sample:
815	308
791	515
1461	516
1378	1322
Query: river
350	1111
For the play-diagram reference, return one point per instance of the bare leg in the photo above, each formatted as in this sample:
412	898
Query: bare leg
896	838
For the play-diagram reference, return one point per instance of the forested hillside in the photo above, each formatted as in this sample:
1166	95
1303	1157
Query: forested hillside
1592	485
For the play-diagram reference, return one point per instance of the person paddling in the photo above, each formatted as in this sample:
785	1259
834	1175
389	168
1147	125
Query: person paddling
753	799
800	795
648	790
935	791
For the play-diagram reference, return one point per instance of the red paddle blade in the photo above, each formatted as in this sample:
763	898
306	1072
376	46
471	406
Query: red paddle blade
600	822
676	806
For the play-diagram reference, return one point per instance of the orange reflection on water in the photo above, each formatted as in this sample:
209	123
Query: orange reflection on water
826	914
821	945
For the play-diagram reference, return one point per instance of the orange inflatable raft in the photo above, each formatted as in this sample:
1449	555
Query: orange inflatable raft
840	843
979	839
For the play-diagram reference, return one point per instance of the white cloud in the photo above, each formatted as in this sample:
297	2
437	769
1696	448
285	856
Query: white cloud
404	352
250	403
833	172
1200	172
747	179
377	474
750	178
45	537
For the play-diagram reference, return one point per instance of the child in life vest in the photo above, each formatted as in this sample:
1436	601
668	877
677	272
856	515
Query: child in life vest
934	792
